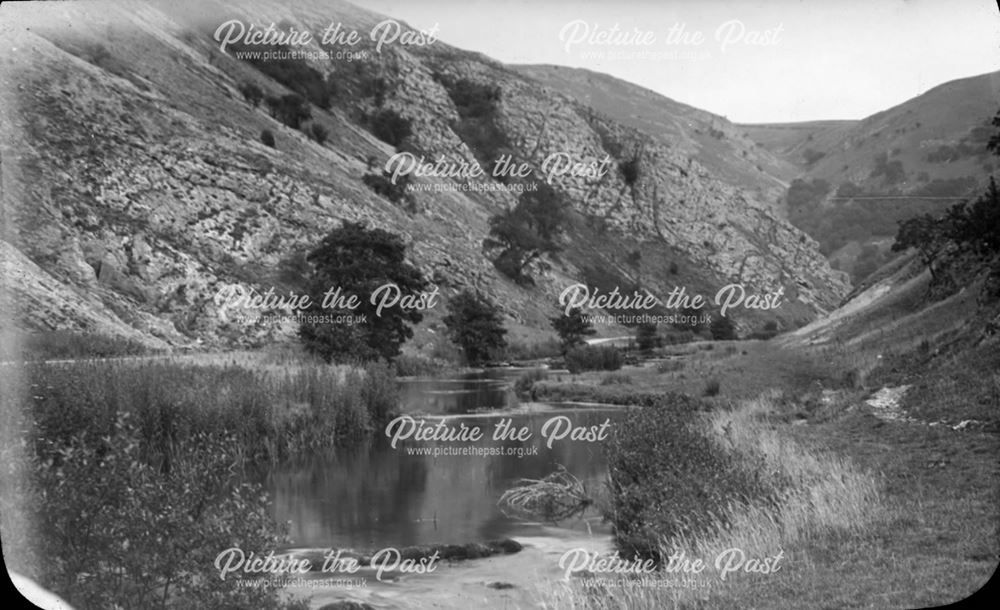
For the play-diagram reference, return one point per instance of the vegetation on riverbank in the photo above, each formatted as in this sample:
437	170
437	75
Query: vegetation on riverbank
869	508
135	470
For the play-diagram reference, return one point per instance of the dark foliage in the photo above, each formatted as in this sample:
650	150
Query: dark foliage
722	329
290	109
572	328
475	325
295	74
252	93
267	138
668	479
594	358
358	260
527	231
390	127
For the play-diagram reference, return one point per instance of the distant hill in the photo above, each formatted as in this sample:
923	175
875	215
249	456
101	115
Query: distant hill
856	179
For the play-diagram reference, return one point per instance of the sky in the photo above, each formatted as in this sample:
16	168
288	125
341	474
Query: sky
757	61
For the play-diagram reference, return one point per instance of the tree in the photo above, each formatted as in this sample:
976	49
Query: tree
722	329
267	138
925	233
358	260
645	336
475	325
527	231
572	328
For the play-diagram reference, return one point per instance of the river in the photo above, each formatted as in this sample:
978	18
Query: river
375	496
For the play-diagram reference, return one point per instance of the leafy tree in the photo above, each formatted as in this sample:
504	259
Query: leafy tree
645	336
925	233
527	231
358	260
572	328
977	226
475	325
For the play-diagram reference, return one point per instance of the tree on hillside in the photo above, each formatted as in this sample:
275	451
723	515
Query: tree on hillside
358	260
291	109
645	336
572	328
475	325
527	231
925	233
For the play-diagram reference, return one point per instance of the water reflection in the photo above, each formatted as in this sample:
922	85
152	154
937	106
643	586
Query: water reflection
376	496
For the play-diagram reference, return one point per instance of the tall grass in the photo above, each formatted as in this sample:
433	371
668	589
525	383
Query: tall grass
272	412
819	494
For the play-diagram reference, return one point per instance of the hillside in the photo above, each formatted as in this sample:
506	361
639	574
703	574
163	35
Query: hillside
134	178
856	179
721	146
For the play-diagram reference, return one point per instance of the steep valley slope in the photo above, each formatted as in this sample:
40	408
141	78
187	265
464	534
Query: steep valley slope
136	186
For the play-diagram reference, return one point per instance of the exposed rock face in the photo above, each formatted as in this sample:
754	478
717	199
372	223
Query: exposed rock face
135	181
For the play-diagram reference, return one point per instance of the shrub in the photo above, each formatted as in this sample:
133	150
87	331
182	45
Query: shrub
630	170
252	93
711	388
525	383
387	125
668	479
291	109
267	138
593	358
318	132
722	329
382	184
143	534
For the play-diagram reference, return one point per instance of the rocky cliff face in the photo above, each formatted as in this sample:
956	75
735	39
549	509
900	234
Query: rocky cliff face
135	184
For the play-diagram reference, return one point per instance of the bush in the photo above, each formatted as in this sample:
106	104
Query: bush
722	329
711	388
667	479
593	358
252	93
290	109
383	185
267	138
318	133
387	125
630	170
525	383
119	530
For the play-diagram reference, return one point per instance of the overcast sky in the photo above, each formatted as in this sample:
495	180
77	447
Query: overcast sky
812	59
